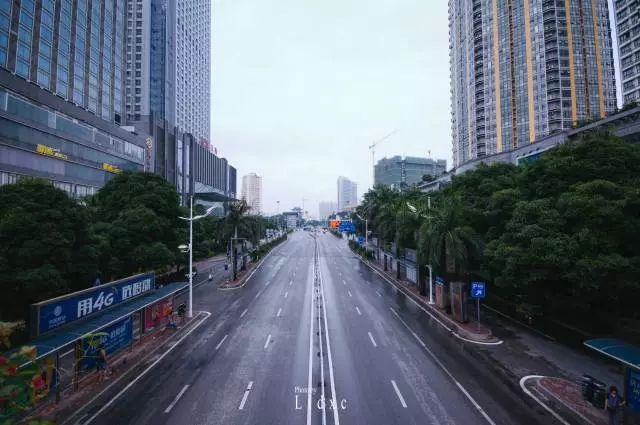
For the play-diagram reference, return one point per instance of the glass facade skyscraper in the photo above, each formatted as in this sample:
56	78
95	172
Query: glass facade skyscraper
61	87
72	48
523	69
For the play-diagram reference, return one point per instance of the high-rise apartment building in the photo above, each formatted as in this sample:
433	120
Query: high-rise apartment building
523	69
347	194
627	15
167	64
402	172
61	94
252	192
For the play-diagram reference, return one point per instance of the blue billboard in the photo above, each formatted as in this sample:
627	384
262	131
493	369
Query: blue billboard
633	390
51	314
114	338
347	226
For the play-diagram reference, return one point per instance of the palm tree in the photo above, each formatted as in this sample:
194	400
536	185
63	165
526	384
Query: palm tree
446	242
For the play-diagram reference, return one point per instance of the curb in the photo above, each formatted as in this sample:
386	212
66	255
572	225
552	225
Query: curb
247	277
451	325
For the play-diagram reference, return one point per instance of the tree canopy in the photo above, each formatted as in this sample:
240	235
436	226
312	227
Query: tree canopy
559	234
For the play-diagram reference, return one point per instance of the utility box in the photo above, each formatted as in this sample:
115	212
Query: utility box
458	294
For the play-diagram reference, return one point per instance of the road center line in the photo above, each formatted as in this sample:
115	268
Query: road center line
336	418
358	310
175	400
221	342
310	360
245	396
279	311
267	343
395	387
243	313
373	341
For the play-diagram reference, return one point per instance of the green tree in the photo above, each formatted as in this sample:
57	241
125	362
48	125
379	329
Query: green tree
45	246
136	223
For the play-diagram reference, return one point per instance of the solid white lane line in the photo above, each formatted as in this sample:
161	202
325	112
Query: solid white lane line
310	359
245	396
279	311
446	371
267	343
373	341
144	372
395	387
286	294
175	400
358	310
336	418
350	293
243	313
221	342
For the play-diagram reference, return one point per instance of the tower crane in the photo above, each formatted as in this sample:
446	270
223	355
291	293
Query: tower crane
372	148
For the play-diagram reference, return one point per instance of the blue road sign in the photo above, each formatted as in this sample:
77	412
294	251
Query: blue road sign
478	290
361	240
439	280
347	226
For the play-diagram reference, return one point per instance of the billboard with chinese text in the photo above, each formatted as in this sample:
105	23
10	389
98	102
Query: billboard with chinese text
51	314
114	338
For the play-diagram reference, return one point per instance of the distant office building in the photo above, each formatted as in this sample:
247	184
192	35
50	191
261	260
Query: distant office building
627	14
521	70
347	193
401	172
291	219
252	192
61	94
326	208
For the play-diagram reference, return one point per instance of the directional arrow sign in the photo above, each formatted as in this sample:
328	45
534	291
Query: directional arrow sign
478	290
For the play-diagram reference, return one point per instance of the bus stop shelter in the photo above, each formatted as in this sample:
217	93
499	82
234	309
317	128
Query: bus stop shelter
628	356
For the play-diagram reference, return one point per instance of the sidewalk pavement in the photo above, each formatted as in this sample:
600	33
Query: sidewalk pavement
471	330
119	366
554	369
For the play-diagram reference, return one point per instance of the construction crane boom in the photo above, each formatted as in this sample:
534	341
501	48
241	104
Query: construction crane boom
372	148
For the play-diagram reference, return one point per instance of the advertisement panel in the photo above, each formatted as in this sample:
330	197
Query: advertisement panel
156	313
633	390
114	338
51	314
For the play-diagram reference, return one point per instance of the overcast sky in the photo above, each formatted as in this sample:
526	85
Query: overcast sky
301	88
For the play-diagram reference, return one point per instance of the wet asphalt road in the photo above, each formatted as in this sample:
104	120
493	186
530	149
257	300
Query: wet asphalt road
314	328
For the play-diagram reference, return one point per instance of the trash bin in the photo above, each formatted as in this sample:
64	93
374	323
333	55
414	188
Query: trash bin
599	394
587	388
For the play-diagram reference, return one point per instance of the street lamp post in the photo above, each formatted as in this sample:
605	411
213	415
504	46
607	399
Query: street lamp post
191	219
430	284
